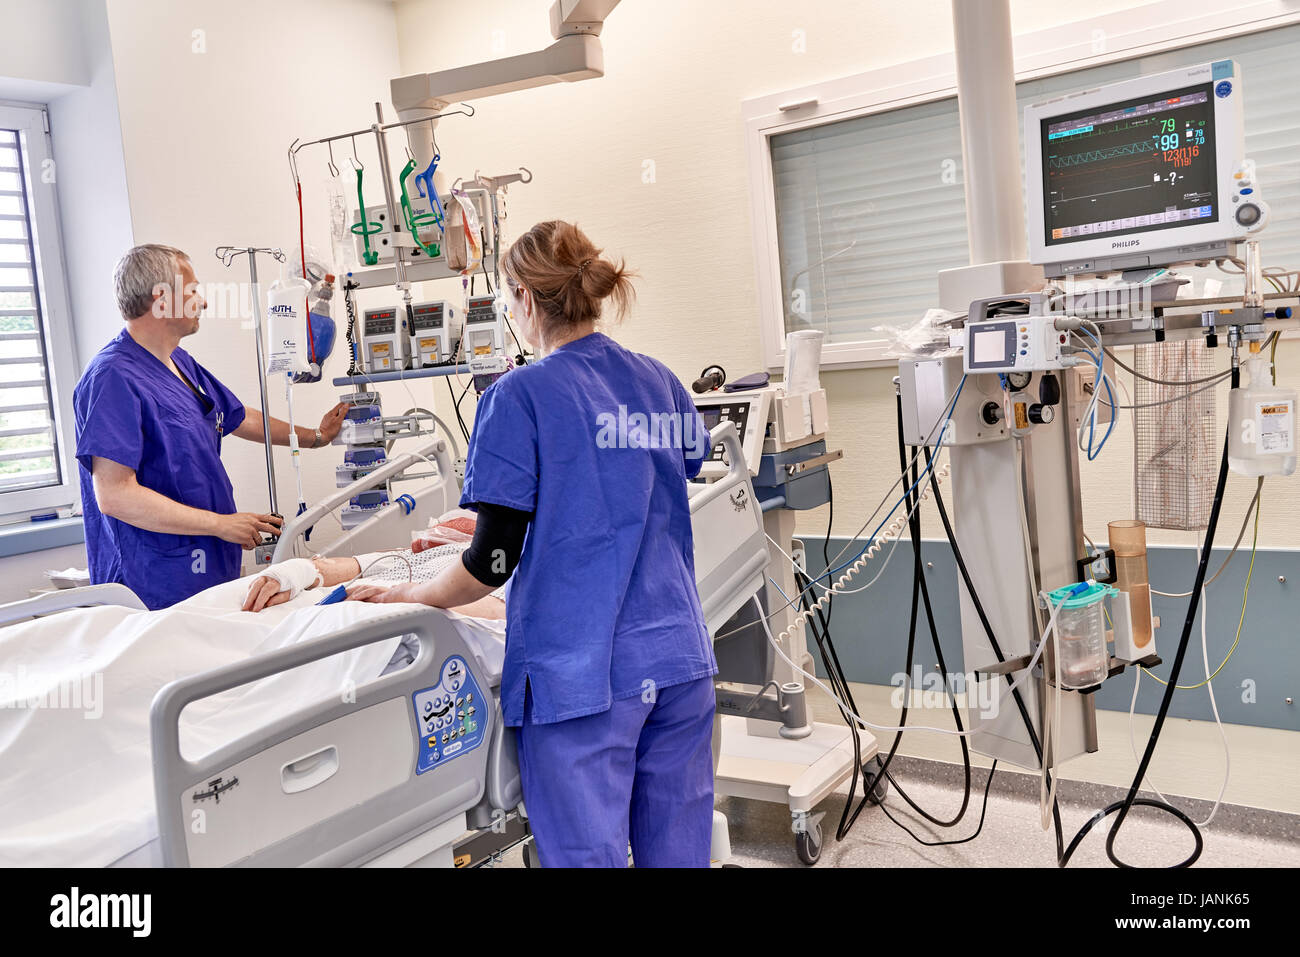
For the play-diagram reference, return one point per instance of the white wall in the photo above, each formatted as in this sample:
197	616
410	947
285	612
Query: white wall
206	121
91	183
20	575
676	73
41	41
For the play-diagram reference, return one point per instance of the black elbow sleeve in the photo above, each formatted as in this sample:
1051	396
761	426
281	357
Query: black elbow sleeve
497	545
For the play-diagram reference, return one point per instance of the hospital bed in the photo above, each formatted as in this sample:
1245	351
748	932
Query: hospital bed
367	779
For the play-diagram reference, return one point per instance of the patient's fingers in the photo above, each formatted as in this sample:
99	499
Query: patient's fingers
254	590
269	591
264	592
365	592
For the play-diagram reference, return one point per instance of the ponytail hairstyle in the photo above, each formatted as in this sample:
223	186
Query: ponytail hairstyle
566	275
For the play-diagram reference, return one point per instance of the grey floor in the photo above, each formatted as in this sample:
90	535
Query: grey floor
1012	835
761	834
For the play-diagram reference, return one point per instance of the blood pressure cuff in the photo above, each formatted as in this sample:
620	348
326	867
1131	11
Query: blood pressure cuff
498	543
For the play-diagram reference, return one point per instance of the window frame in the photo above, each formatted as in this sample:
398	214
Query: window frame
59	342
1158	27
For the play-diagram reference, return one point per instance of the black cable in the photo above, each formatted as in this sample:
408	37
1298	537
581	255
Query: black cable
993	643
984	807
482	239
920	592
351	330
826	543
1131	799
839	686
912	503
456	408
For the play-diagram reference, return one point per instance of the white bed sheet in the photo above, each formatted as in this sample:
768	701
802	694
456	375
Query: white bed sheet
77	789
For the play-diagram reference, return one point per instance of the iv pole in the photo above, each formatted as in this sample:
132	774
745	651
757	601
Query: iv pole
227	255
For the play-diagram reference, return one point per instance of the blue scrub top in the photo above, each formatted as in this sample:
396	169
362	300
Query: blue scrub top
132	409
603	604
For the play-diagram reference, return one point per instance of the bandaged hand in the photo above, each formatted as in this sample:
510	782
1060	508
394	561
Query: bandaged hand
280	583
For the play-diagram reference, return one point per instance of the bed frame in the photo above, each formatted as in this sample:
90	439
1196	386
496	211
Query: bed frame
334	784
339	783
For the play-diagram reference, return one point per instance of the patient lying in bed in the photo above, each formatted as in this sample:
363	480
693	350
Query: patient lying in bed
433	549
90	675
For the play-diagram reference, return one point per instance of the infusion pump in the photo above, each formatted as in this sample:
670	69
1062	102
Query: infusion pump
766	419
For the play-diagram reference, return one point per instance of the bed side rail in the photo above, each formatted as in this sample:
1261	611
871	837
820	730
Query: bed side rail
730	543
334	783
294	529
65	598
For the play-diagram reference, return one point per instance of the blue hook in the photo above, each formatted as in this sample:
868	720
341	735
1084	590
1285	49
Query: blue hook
424	184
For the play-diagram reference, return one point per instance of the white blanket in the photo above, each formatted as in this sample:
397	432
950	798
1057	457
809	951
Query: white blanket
76	779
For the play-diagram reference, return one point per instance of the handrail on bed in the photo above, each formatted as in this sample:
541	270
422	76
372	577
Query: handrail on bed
400	813
50	602
172	699
294	527
724	432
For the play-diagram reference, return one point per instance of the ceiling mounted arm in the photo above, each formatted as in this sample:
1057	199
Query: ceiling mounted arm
576	55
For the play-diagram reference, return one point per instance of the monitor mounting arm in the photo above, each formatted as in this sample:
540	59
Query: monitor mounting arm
575	55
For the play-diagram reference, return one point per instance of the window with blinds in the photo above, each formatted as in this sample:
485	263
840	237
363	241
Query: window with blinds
869	209
29	452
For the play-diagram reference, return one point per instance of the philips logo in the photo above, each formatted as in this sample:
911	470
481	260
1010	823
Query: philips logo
1125	244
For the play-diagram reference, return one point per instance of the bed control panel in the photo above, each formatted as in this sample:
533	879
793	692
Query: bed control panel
451	716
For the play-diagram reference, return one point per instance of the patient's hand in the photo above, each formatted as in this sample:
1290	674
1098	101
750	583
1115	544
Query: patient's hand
417	593
381	594
268	590
265	592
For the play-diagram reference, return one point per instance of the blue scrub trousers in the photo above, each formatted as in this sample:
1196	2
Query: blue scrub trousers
641	772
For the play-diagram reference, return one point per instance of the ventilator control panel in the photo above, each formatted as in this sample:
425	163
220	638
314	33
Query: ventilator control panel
749	411
450	716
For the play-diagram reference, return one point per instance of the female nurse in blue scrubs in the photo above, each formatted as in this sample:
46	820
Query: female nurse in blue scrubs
578	468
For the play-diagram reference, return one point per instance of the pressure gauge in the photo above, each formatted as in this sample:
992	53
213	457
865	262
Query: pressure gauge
1019	381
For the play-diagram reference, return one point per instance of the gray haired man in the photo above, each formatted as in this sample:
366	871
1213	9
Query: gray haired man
159	508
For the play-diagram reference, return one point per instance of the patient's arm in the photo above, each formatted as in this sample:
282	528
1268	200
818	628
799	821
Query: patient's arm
454	587
265	591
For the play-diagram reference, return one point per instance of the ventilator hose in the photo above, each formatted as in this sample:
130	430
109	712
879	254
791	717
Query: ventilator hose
895	528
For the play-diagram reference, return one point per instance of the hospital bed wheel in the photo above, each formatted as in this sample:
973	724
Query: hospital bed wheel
529	860
876	784
808	844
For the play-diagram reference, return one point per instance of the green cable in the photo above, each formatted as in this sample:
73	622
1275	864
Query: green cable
1242	621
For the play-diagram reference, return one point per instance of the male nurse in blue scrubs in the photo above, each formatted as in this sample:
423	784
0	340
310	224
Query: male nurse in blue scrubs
159	508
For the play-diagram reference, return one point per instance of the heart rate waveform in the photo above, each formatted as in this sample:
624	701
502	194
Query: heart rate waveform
1108	152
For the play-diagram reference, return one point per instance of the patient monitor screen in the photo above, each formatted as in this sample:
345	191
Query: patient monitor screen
1134	166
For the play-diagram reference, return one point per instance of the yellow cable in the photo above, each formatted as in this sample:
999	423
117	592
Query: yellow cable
1242	621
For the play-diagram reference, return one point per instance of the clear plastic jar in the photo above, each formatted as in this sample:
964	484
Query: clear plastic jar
1081	634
